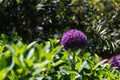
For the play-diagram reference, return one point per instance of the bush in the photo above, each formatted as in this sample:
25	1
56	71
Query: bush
49	61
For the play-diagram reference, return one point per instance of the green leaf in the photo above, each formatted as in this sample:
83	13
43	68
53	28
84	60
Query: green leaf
54	51
99	63
3	62
31	44
47	47
58	63
53	42
86	55
78	64
96	58
10	48
37	71
29	62
41	65
30	53
65	56
3	73
82	66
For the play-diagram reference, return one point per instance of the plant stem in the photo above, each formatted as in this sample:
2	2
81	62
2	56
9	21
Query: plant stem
73	61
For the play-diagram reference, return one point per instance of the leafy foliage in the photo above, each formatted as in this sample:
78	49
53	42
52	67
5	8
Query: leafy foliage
40	19
48	61
36	20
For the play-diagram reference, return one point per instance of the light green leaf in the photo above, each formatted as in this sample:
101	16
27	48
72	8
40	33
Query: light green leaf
96	58
82	66
86	55
29	62
78	64
3	73
60	62
99	63
31	44
30	53
41	65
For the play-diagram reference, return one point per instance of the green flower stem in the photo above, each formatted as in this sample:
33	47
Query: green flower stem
73	55
73	61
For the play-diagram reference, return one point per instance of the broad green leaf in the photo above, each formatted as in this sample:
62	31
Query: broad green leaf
10	67
3	62
78	64
19	48
3	73
1	48
10	48
29	62
86	55
47	47
31	44
20	70
83	65
41	65
38	70
53	42
65	56
72	75
96	58
58	63
99	64
54	51
30	53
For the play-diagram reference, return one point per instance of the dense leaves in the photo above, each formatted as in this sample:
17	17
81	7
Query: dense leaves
40	19
48	61
36	21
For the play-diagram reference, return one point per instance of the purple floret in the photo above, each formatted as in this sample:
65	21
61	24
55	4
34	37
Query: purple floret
116	61
74	39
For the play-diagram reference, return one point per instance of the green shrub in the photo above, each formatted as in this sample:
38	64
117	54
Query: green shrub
49	61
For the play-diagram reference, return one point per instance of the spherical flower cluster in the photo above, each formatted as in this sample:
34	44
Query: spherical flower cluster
73	39
116	61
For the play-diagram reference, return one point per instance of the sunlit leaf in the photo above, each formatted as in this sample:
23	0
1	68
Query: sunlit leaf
2	73
99	64
82	66
86	55
58	63
31	44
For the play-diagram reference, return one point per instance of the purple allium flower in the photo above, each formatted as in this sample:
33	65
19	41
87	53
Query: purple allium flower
73	39
116	61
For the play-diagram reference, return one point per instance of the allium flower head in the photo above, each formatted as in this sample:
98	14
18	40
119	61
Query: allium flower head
73	39
116	61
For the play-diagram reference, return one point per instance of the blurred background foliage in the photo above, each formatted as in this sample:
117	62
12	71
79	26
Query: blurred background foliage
43	19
